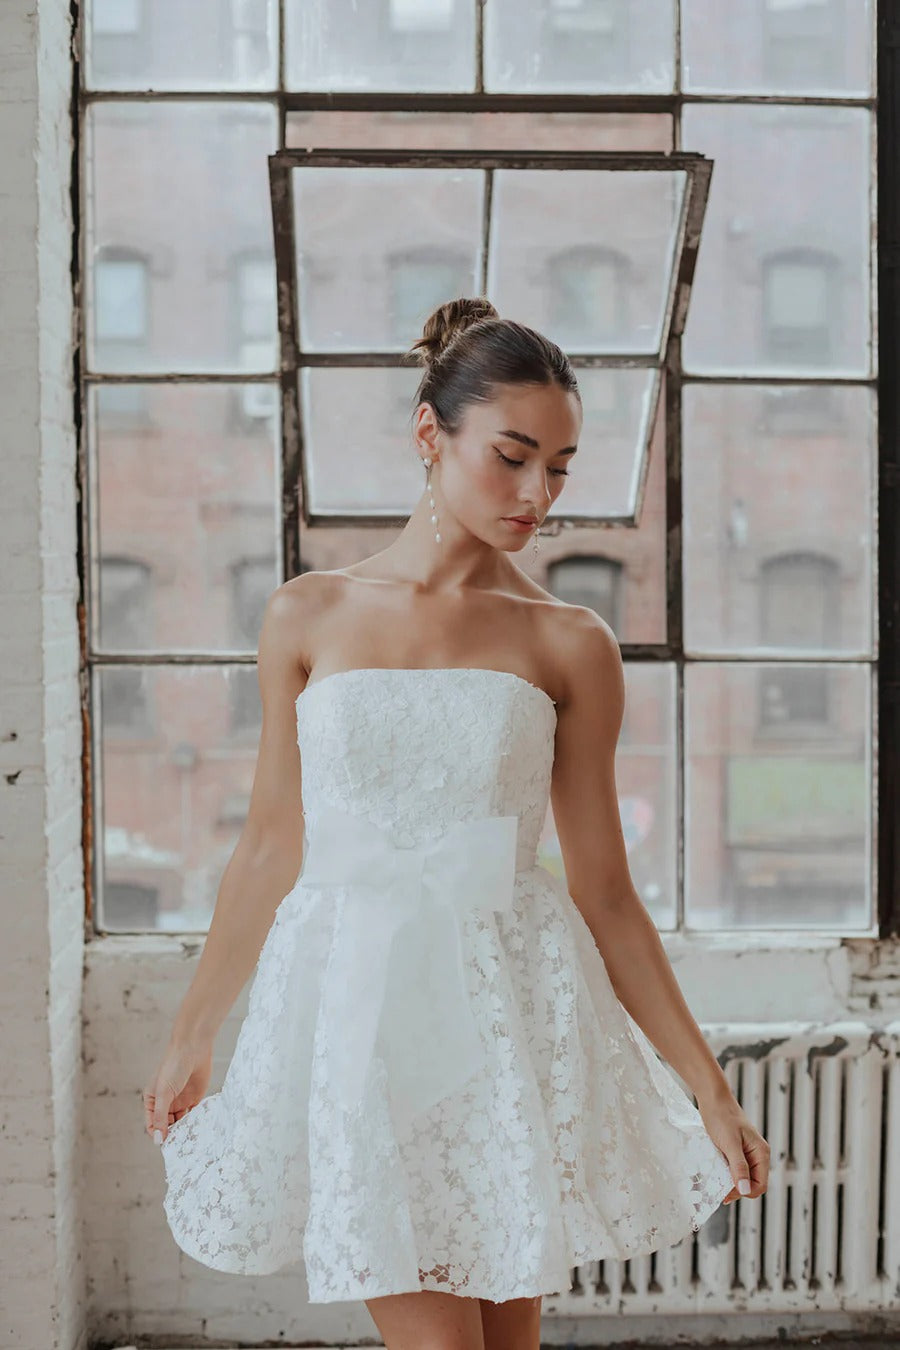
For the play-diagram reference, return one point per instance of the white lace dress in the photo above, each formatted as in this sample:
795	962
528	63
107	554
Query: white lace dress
435	1085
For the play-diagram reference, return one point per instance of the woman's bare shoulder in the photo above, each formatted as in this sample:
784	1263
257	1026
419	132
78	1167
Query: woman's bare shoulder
587	651
293	609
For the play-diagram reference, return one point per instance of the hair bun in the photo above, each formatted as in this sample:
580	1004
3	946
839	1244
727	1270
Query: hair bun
445	323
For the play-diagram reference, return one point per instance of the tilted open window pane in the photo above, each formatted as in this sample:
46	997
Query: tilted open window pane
358	277
368	273
587	255
768	471
777	820
357	461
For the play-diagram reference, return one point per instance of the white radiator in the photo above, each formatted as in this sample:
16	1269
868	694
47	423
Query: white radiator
826	1234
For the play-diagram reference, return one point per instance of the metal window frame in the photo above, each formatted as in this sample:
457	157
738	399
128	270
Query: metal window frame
885	261
886	804
697	170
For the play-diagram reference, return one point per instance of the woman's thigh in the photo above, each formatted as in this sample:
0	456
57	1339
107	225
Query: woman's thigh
512	1325
428	1320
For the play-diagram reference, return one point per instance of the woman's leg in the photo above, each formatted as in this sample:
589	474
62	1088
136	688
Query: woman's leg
512	1325
428	1320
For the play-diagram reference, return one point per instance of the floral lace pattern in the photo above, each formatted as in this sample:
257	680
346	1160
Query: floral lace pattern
571	1141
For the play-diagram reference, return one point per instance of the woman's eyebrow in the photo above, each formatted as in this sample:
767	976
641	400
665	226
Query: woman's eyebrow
530	441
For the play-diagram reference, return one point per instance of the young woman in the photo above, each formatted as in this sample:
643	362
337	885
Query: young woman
445	1092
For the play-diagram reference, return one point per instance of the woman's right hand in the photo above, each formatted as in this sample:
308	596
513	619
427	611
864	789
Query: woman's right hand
179	1083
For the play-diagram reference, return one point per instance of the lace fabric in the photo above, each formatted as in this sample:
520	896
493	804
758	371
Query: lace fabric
569	1141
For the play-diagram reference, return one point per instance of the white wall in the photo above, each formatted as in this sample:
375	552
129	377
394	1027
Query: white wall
42	1301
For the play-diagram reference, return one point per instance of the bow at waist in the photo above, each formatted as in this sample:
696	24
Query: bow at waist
396	976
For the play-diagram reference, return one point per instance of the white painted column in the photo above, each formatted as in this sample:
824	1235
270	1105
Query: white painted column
42	1270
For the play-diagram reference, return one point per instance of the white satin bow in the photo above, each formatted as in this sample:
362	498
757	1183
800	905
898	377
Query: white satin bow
397	973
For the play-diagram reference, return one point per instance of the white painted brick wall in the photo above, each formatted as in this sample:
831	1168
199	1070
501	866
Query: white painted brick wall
42	1274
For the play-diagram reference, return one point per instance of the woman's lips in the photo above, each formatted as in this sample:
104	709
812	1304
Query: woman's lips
521	522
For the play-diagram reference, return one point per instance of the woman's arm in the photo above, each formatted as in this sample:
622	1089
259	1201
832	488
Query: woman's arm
268	855
588	825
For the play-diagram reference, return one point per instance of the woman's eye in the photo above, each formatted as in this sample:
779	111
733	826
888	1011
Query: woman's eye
561	473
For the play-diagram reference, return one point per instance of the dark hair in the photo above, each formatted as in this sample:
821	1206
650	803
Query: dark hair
467	349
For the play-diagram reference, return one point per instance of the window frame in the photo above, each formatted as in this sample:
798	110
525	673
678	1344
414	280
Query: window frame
885	263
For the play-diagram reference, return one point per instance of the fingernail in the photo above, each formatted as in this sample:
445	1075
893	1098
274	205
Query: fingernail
157	1136
744	1186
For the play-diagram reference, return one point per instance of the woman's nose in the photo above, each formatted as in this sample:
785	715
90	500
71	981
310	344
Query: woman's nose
538	493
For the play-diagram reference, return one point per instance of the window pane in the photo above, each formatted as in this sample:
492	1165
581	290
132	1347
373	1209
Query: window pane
176	786
182	310
782	280
386	475
166	44
382	44
547	267
779	519
779	786
777	46
579	46
181	501
352	245
604	476
646	782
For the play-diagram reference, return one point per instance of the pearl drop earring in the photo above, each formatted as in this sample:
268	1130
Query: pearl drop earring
434	520
536	547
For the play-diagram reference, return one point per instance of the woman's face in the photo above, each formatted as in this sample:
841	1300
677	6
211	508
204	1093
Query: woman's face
509	458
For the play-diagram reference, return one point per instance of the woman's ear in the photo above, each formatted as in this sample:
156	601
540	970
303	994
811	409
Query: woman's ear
426	432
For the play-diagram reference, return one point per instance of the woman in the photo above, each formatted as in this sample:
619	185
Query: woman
445	1092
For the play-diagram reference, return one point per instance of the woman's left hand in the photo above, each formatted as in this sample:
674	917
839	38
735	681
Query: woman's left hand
746	1151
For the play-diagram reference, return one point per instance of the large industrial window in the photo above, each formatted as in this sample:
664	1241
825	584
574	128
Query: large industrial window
722	513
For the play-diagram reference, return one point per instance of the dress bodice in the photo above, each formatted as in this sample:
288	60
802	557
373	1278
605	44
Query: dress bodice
414	750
